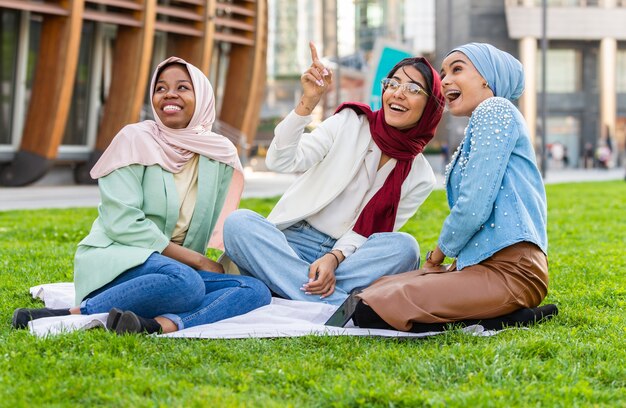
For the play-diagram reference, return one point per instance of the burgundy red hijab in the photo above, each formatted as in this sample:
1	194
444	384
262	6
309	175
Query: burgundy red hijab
379	214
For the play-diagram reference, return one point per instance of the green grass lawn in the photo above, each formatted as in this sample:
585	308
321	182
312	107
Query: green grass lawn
577	359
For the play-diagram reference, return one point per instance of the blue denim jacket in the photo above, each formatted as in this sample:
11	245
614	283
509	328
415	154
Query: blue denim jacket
495	191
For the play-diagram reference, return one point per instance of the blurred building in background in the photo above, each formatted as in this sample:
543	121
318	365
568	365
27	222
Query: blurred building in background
586	69
74	72
346	33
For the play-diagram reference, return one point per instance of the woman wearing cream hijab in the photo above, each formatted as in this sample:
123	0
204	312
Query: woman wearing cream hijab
166	186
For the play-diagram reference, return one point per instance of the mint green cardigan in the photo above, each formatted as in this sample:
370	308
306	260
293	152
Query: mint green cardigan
136	217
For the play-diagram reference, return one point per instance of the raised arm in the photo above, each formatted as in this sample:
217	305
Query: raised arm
315	81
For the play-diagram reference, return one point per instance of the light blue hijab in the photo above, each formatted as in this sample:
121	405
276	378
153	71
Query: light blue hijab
504	74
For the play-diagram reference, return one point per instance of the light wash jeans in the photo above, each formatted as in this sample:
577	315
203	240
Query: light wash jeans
164	287
281	259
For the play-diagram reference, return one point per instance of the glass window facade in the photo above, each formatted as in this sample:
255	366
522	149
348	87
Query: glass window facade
9	43
34	37
284	33
564	69
563	141
370	20
76	127
621	71
8	59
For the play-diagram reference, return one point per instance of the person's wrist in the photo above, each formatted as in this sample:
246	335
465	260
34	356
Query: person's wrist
308	103
430	258
334	256
201	262
340	254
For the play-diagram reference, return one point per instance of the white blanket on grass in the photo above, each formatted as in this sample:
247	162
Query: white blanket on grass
281	318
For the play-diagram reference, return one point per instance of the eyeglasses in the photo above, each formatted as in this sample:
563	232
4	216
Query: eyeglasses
409	88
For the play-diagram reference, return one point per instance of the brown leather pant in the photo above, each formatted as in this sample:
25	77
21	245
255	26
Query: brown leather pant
513	278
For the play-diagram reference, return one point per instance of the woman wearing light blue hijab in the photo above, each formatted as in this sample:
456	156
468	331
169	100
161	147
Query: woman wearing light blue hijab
496	229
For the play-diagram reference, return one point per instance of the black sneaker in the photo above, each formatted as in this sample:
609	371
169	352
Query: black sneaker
129	322
113	318
22	316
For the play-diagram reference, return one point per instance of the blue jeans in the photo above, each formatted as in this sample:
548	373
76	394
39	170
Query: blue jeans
281	259
164	287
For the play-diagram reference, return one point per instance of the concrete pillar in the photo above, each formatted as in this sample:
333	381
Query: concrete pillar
608	97
528	101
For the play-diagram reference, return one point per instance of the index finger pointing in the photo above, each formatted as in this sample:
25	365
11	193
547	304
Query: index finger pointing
314	56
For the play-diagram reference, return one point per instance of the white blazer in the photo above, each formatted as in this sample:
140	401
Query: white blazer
329	158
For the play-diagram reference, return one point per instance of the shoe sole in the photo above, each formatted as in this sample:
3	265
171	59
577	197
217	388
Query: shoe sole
113	318
128	323
15	323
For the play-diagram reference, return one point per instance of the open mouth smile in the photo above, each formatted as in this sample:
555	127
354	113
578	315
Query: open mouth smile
452	95
397	108
172	108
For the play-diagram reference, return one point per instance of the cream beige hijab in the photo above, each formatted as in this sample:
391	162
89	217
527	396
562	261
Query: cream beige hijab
151	142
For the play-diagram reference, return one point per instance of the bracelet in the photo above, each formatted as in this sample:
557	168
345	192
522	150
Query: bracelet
336	257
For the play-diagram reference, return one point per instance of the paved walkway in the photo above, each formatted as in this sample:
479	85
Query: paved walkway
56	190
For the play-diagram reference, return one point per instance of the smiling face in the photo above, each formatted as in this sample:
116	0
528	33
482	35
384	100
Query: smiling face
403	110
174	99
462	84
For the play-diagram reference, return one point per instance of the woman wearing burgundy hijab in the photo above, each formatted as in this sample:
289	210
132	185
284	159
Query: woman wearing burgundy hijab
363	176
